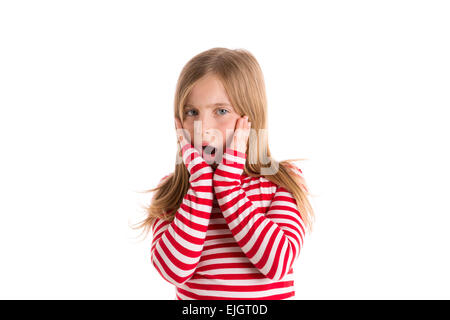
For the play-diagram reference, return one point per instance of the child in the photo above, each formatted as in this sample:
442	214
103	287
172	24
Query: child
225	226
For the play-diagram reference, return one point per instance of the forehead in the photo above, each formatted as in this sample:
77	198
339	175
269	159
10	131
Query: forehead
207	92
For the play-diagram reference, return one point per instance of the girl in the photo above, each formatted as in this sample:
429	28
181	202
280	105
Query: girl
225	226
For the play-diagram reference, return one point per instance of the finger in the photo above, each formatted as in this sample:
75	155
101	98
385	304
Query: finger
236	126
178	123
240	123
180	132
179	127
245	123
183	141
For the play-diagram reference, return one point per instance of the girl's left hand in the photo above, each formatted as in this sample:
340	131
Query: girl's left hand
241	134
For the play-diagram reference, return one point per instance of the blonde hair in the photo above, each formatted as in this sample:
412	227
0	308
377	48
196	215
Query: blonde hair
243	81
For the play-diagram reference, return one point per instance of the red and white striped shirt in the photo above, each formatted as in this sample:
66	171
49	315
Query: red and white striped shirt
233	237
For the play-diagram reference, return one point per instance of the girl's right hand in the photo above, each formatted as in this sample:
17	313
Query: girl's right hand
181	137
185	145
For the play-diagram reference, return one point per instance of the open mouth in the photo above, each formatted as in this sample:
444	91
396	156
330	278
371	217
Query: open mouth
210	150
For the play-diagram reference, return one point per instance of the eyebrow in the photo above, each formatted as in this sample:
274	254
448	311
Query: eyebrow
212	105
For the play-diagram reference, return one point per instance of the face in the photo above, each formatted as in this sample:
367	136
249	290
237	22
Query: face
209	117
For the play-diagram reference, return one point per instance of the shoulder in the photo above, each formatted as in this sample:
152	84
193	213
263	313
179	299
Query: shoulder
298	174
293	168
164	178
161	182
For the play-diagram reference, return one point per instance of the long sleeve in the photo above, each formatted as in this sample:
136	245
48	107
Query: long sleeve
177	245
271	241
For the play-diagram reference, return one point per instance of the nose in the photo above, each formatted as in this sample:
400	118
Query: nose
204	128
207	124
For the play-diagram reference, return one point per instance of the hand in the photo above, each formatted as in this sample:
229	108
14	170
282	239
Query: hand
241	134
181	136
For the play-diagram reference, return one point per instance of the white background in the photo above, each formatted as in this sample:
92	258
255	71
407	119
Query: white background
360	88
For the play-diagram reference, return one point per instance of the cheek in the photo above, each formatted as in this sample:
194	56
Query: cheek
228	131
189	128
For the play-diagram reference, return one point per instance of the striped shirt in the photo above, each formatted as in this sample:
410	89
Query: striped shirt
233	236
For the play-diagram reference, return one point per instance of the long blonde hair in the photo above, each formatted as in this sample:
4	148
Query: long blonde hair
243	81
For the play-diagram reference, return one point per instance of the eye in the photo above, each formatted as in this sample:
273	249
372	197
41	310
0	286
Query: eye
226	111
187	112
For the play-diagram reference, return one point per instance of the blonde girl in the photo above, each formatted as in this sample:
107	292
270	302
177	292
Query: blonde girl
230	221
